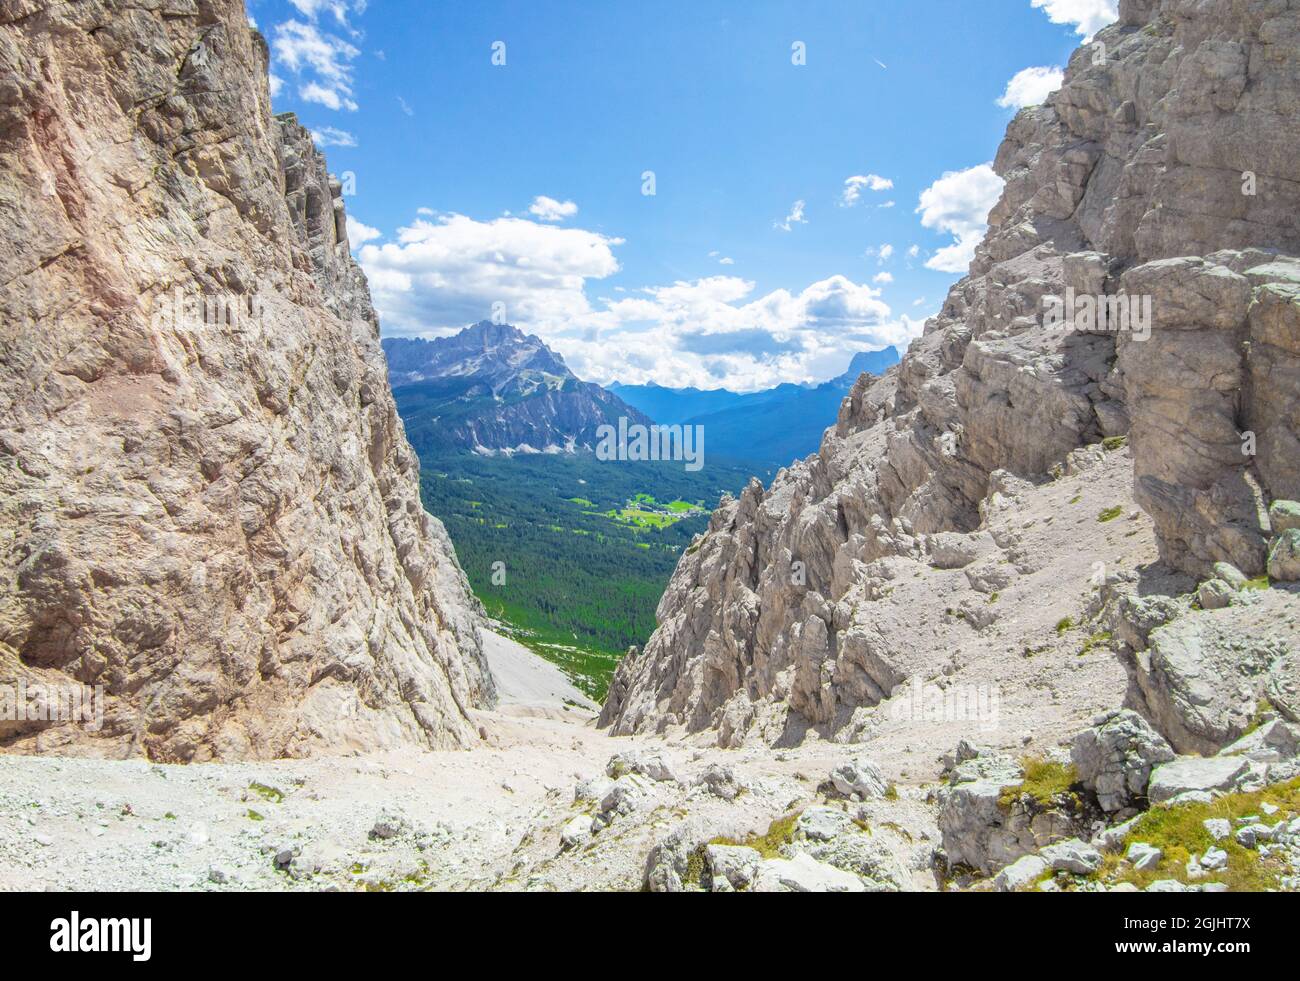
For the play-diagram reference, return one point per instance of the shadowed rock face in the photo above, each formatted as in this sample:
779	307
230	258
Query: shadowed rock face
216	515
1135	178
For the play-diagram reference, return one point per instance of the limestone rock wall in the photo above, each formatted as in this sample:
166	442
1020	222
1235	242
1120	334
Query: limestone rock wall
214	515
1133	180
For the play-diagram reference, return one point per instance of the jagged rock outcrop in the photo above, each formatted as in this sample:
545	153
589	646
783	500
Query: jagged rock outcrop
1161	171
208	505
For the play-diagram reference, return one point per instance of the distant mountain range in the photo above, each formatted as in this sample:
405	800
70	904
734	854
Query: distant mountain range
771	427
494	389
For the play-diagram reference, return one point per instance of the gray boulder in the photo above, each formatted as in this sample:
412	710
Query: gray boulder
1191	774
732	868
803	873
1272	742
1284	557
1202	677
861	777
720	781
1215	594
1284	516
1115	757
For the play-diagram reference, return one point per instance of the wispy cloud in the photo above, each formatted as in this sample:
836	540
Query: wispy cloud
549	209
854	186
329	136
795	217
321	62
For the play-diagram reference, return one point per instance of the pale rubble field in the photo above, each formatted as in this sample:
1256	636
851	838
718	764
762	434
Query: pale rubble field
487	819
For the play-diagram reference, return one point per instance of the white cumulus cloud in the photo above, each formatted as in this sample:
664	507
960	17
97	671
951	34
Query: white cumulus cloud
444	273
958	203
441	273
1087	16
359	233
1031	87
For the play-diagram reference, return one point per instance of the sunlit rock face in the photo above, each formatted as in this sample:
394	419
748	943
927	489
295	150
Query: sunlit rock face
208	505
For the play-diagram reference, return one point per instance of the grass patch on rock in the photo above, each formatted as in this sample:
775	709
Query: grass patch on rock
1045	780
1180	833
769	844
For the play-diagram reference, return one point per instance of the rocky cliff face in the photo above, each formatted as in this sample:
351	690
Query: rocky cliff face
208	504
1161	170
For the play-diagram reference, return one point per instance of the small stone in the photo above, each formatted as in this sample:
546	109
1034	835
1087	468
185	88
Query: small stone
220	876
1230	574
1284	516
592	790
861	777
1019	874
1218	828
1214	859
1072	856
823	823
576	831
389	826
1167	885
720	781
1143	856
1253	835
1112	839
733	867
1215	595
285	855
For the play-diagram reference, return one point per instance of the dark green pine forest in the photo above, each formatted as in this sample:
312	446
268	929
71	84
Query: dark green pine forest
570	552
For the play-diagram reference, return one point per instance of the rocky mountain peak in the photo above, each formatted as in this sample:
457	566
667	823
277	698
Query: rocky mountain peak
492	388
499	355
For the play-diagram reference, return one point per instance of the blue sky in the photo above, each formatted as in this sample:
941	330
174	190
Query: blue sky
800	211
